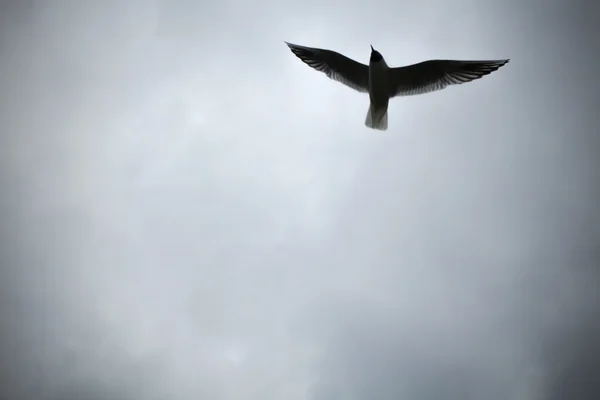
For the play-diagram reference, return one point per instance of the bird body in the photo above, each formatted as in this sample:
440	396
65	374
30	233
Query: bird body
378	94
383	83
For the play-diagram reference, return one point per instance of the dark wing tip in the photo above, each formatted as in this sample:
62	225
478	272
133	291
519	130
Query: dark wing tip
310	56
294	47
467	71
498	63
297	50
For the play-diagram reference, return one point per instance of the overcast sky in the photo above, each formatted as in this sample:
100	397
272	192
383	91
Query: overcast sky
190	212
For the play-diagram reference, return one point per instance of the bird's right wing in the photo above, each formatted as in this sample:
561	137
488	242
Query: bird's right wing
432	75
335	65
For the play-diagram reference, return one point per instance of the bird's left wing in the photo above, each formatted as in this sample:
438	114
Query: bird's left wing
335	65
433	75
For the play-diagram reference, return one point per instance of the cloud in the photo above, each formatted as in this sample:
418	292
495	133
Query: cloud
187	211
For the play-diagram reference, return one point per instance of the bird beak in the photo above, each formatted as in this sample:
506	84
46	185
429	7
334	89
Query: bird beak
372	49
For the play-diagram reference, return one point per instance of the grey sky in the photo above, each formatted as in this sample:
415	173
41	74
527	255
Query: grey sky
190	212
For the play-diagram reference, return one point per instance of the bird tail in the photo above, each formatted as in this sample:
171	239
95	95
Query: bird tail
377	118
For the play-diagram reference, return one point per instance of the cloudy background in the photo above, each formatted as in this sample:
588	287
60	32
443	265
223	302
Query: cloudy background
190	212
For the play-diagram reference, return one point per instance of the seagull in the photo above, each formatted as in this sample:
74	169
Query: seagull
383	83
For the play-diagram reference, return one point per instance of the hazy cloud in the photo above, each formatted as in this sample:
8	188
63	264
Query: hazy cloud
190	212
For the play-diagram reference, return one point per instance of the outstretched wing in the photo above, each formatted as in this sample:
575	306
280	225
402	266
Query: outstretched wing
335	65
433	75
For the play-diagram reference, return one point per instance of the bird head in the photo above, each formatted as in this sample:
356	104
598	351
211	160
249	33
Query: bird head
375	55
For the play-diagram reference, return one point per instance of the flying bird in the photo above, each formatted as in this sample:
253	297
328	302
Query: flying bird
383	83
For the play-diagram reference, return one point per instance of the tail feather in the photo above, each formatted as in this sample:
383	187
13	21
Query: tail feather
377	119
